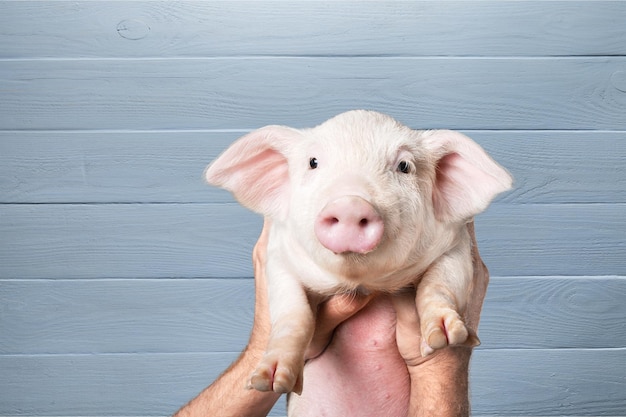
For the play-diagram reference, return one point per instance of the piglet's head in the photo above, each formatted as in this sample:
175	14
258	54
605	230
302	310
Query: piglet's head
389	182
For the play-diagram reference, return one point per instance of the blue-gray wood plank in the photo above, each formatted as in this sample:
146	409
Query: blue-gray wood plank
526	382
106	316
235	93
94	29
166	167
215	240
125	281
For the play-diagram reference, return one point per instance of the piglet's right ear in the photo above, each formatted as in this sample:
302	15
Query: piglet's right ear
255	170
467	179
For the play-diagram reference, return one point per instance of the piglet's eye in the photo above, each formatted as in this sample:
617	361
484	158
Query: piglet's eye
404	167
313	163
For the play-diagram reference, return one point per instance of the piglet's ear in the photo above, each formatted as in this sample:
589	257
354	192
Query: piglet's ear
255	170
467	179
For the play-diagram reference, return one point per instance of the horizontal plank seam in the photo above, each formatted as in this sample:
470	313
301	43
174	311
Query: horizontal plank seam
200	203
203	278
560	349
235	279
211	353
118	354
247	130
142	279
319	56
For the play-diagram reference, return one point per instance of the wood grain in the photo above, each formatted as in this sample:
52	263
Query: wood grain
546	239
345	28
205	240
125	316
182	315
503	382
127	240
166	167
124	280
104	167
549	382
231	93
554	312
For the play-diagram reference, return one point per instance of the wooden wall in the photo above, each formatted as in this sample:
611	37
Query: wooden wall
125	282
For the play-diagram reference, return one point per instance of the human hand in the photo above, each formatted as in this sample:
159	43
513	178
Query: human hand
330	314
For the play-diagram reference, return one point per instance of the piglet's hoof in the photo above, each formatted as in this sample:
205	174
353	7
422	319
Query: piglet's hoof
448	331
273	376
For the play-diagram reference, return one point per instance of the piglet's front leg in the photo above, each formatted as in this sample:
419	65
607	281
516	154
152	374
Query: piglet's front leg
282	364
441	300
281	367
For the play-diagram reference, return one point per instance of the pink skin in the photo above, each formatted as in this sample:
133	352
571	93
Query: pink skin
349	224
426	184
361	373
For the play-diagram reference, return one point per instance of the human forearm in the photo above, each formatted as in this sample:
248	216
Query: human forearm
439	387
228	397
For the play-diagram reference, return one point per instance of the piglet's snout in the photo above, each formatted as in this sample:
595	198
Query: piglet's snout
349	224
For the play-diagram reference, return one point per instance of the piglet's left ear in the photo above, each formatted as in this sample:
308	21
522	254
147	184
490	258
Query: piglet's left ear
467	179
255	169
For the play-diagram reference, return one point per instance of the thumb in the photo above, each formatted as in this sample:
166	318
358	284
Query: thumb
408	336
331	314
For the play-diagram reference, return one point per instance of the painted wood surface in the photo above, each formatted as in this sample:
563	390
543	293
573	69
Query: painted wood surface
166	167
235	93
205	240
522	382
199	315
125	282
94	29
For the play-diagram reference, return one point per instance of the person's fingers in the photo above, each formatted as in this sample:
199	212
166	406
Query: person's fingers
480	281
406	310
259	258
261	328
259	253
408	338
331	314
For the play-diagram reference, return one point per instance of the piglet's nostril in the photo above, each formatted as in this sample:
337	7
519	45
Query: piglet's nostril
331	221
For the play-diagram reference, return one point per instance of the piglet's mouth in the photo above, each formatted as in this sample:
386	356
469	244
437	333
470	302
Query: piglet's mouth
354	258
356	253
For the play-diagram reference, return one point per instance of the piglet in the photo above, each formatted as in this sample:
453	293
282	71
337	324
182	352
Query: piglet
360	203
